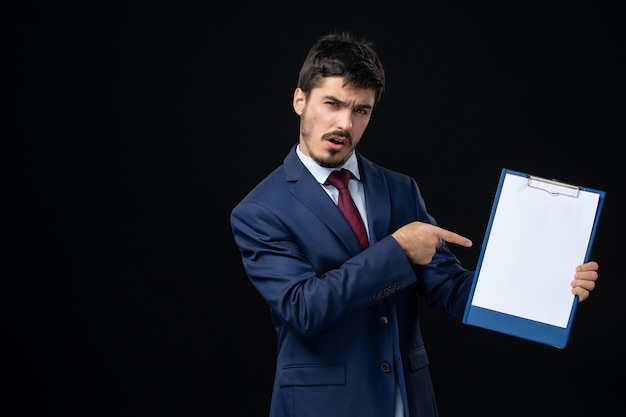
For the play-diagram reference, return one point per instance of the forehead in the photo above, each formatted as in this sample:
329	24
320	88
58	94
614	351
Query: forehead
334	87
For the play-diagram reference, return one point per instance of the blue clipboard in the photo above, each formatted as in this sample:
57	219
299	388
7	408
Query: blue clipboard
538	232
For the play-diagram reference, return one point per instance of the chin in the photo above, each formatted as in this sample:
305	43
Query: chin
329	161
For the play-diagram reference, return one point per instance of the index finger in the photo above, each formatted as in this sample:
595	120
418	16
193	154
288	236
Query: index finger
451	237
589	266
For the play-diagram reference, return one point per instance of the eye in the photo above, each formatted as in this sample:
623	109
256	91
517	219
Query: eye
331	103
361	110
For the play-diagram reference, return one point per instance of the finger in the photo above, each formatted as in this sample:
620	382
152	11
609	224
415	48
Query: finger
586	276
587	284
451	237
589	266
582	293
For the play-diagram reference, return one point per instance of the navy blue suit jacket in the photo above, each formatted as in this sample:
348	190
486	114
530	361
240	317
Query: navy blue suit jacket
346	320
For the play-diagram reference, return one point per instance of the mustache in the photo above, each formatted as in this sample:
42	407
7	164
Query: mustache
340	133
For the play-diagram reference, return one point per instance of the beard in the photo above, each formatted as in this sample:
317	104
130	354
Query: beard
332	158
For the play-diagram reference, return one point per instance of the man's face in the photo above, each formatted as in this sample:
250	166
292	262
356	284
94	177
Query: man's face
332	120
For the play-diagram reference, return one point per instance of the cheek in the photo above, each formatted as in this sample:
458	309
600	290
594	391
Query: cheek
318	116
317	120
358	128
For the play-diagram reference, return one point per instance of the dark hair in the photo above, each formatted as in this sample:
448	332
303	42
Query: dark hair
343	55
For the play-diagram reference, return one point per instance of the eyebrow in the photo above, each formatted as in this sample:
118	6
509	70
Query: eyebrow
343	103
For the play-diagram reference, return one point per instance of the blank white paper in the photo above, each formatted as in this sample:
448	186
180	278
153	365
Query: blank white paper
535	242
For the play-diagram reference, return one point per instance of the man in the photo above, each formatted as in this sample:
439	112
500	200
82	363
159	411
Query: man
346	318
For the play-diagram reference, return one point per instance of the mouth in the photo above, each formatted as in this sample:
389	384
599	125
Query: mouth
337	142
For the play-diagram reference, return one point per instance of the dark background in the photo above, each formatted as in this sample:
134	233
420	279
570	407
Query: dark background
139	126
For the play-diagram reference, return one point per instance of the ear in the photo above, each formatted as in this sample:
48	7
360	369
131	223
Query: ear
299	100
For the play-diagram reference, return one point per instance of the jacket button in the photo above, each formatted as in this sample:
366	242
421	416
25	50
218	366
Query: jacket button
385	367
383	319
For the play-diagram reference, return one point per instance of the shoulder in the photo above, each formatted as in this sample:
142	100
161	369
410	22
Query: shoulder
372	169
275	182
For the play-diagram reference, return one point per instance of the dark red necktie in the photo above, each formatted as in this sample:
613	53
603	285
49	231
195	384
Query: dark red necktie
340	179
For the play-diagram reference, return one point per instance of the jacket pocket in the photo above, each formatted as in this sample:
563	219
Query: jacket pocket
418	359
310	375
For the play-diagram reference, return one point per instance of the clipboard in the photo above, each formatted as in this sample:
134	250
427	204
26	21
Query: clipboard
538	232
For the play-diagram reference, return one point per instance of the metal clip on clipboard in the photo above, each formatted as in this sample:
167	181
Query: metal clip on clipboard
553	187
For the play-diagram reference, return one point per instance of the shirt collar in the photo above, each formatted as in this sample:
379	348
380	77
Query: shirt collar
321	174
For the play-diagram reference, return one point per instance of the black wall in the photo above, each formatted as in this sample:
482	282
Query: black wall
124	294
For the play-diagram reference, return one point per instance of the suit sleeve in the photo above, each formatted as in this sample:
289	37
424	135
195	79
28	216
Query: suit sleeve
444	283
277	261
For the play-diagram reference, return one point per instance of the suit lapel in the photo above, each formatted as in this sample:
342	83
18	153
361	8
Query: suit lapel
376	199
306	189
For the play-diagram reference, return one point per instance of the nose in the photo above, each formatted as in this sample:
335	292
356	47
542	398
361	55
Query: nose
344	120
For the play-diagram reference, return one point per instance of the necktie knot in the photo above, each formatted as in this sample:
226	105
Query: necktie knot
339	179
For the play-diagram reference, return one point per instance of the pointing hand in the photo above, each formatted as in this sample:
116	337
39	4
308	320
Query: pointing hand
421	240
